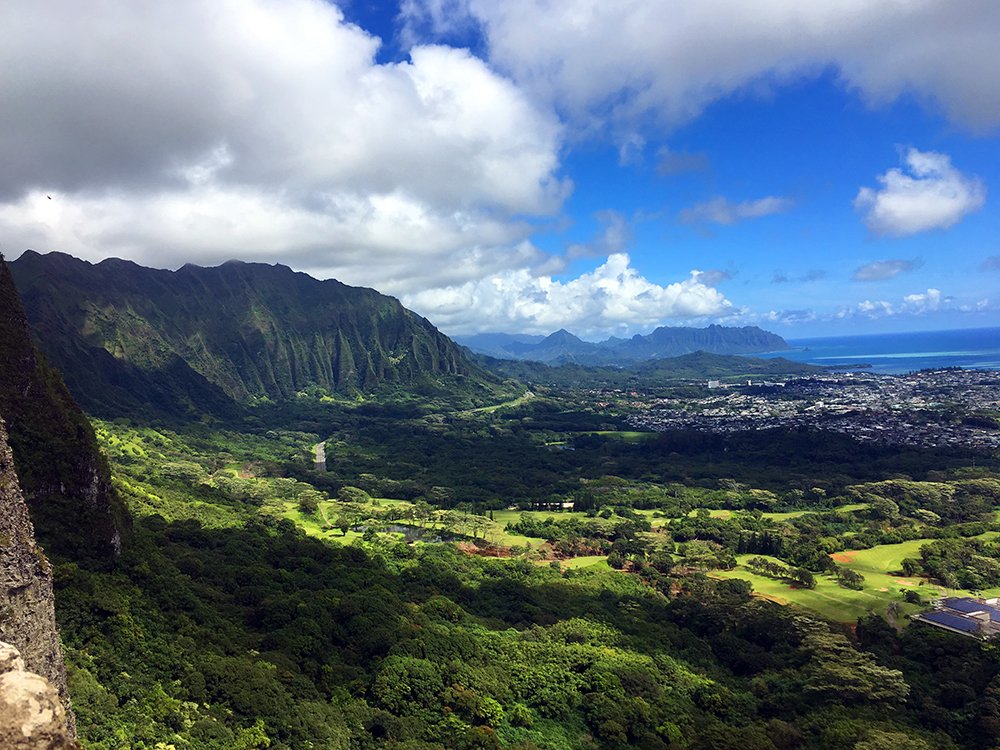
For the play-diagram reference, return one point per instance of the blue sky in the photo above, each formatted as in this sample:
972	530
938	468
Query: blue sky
814	169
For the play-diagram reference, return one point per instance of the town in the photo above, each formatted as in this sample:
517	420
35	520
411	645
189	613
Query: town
935	408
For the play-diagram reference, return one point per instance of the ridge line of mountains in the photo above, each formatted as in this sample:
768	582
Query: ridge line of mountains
135	340
563	347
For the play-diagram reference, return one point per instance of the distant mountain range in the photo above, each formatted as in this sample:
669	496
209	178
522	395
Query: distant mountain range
563	347
130	339
668	371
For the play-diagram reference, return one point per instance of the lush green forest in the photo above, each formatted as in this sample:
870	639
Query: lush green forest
266	603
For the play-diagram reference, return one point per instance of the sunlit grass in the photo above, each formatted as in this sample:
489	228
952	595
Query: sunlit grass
881	586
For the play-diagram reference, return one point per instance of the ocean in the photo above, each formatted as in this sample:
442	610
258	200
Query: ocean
971	348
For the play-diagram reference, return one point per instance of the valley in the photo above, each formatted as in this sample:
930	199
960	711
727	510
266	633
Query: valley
590	496
453	551
538	539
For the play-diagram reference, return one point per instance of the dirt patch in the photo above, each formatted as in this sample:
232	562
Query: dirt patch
901	582
883	589
772	598
844	557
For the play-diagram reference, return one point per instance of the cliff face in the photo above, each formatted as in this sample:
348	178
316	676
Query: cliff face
62	473
201	339
27	615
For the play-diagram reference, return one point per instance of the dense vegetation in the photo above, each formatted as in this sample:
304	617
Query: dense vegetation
265	604
241	637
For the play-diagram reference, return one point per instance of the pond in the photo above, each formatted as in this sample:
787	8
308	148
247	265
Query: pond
416	534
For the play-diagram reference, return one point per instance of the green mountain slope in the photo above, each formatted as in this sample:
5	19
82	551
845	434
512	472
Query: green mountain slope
202	340
64	477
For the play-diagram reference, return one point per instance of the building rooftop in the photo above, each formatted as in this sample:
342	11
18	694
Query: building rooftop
979	618
951	621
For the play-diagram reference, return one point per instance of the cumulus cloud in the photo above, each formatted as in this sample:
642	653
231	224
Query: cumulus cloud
873	308
622	63
723	211
922	302
919	303
202	131
881	270
930	194
612	298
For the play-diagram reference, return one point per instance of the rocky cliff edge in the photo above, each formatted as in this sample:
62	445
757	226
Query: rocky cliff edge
27	613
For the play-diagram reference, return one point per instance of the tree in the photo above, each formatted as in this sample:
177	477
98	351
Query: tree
803	577
850	579
308	503
839	672
616	560
353	495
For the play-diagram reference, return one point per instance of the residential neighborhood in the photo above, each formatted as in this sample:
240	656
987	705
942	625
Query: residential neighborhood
934	408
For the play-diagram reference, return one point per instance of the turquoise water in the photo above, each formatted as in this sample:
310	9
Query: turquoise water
970	348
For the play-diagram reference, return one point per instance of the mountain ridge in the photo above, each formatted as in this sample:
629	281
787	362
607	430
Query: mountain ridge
210	339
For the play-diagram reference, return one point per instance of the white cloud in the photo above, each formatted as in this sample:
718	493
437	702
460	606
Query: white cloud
788	317
870	309
712	277
934	195
918	303
881	270
612	298
922	302
624	62
723	211
172	132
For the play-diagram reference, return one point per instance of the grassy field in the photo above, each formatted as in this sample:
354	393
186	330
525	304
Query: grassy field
850	508
832	601
589	562
314	526
522	399
828	599
503	517
626	435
